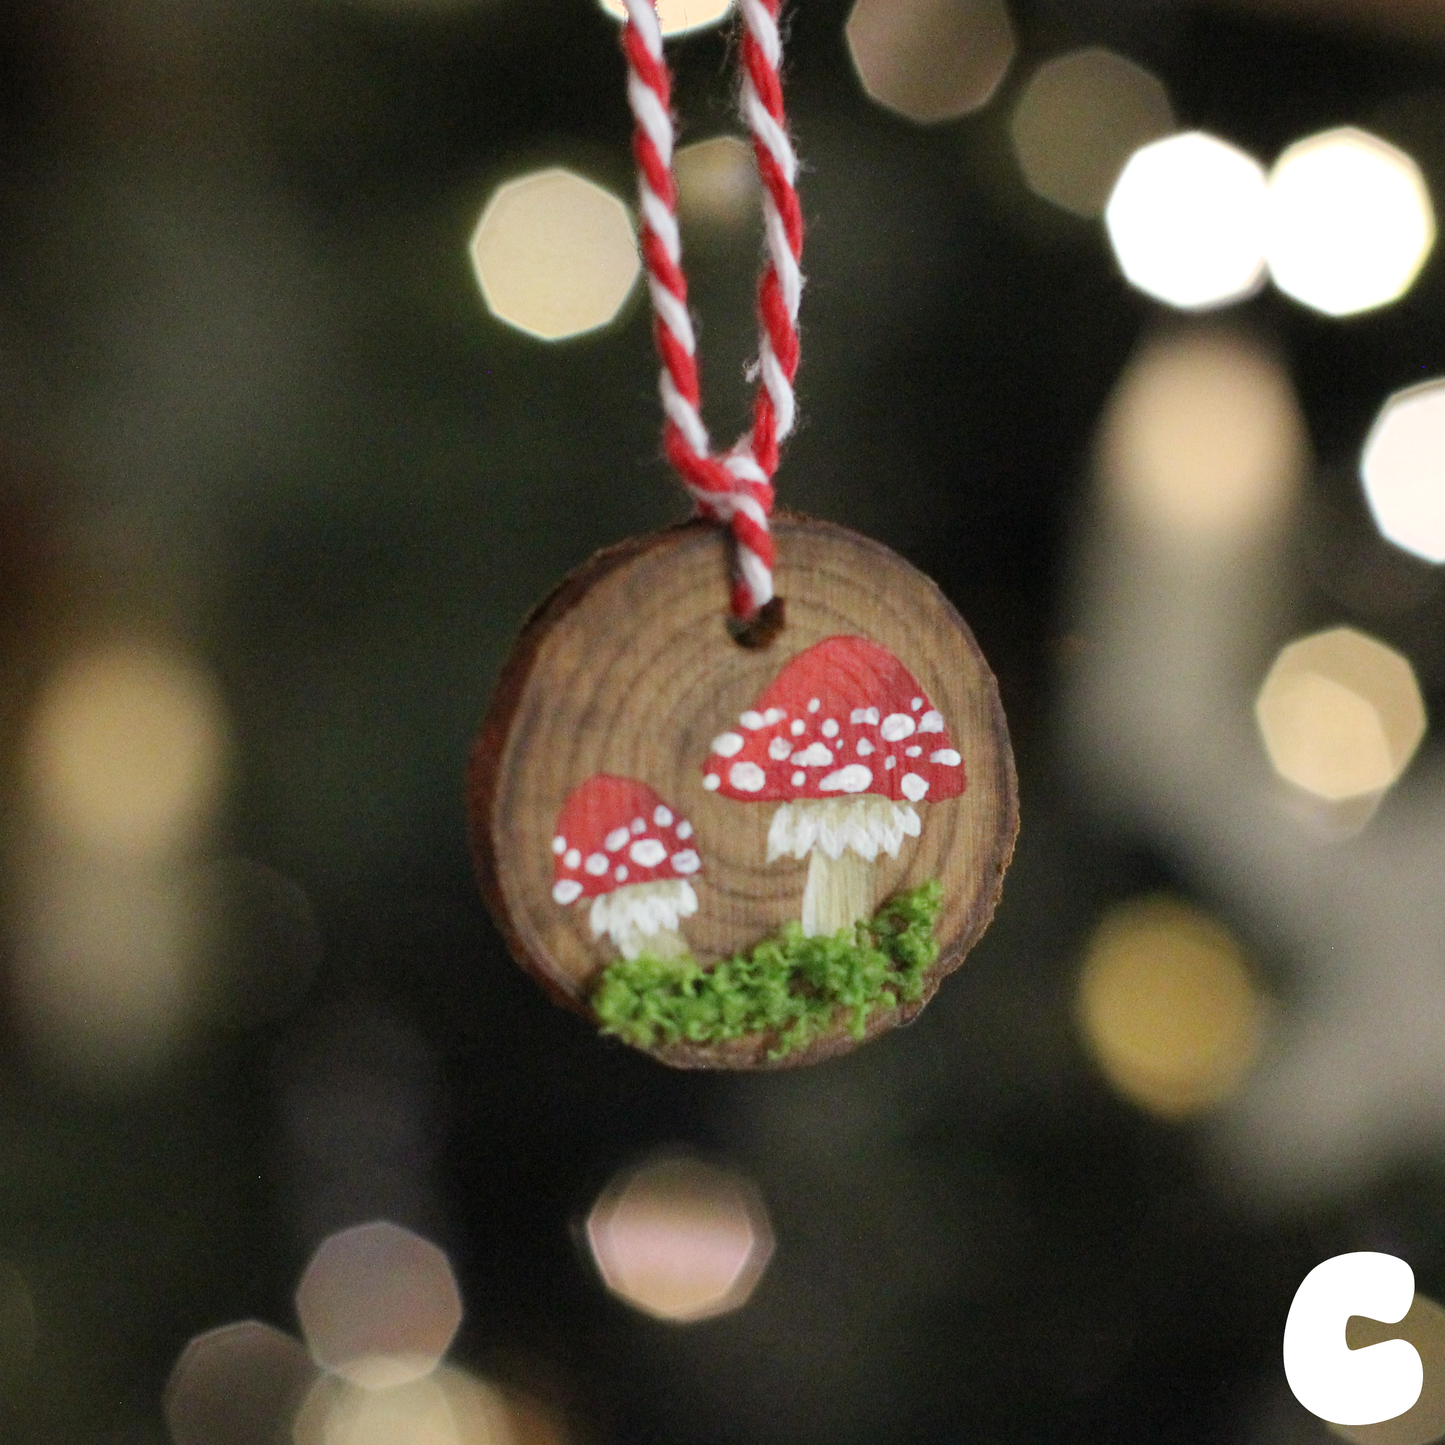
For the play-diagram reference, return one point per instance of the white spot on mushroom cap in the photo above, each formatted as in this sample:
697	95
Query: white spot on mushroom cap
647	852
865	747
854	778
931	722
620	873
727	745
891	763
751	720
615	839
573	857
912	786
799	779
639	825
947	757
864	715
896	727
830	728
596	864
566	890
913	752
797	727
686	862
779	748
747	777
815	755
711	781
813	704
662	815
916	704
684	829
559	845
774	715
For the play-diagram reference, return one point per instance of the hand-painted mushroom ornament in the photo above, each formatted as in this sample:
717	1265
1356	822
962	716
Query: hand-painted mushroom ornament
846	739
620	845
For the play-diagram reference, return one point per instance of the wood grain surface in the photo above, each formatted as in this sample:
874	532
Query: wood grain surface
628	669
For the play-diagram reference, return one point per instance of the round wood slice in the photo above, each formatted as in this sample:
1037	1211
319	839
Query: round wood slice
628	670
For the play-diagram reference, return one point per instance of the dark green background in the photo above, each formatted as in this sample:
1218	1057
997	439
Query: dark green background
247	387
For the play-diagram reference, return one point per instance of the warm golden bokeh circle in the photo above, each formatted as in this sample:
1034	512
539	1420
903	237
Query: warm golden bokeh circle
1202	443
1168	1006
126	750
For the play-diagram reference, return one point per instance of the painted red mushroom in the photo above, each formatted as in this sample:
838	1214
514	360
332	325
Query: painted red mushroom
620	845
846	739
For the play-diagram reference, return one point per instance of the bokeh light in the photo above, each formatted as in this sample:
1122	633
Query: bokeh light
1202	442
677	16
241	1384
1403	470
107	978
449	1407
680	1239
717	182
126	750
1349	222
1079	119
415	1413
1168	1007
554	254
931	60
1186	219
1341	714
1424	1327
379	1305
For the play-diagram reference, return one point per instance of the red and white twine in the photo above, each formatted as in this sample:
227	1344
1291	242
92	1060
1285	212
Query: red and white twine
733	488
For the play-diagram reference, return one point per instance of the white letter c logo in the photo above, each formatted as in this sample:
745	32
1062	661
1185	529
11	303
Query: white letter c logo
1341	1385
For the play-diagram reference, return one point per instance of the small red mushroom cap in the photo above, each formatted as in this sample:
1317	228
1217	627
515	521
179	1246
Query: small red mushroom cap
613	832
843	716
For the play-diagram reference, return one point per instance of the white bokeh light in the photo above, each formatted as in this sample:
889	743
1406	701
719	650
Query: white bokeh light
378	1305
554	254
1403	470
677	16
1349	222
448	1407
1340	715
1186	219
680	1239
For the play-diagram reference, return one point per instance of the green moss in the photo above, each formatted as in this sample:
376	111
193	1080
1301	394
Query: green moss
788	985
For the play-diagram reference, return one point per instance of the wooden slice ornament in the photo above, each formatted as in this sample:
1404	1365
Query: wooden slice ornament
749	840
646	790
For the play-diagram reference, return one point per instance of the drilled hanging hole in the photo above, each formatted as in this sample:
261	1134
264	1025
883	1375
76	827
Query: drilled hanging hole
760	630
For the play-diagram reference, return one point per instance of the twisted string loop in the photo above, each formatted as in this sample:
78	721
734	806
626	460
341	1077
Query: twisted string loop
732	488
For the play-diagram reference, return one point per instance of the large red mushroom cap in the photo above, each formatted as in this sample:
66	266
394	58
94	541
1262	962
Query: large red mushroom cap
842	717
614	832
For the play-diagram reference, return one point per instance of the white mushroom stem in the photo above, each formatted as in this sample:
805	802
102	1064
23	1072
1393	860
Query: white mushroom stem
645	917
840	837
